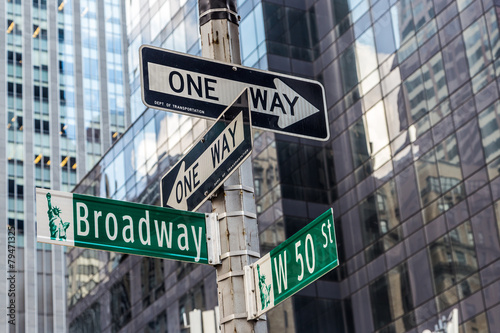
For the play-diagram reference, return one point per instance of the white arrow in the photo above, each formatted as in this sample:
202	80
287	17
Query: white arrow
189	180
281	101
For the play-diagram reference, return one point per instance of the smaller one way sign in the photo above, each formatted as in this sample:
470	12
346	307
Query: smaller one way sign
219	152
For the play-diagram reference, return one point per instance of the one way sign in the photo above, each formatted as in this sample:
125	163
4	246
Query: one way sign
204	88
221	150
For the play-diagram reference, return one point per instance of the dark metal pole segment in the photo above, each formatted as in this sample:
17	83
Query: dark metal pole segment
217	10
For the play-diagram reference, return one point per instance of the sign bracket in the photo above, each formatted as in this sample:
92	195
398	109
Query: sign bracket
213	240
240	253
250	297
237	214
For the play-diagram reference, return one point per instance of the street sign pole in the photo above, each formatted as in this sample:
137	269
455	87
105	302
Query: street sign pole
235	201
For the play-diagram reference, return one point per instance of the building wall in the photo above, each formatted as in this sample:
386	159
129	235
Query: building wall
42	144
411	168
412	89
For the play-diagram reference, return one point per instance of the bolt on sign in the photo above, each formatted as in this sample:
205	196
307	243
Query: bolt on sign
72	219
291	266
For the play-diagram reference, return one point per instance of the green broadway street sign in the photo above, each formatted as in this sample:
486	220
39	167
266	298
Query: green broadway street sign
104	224
291	266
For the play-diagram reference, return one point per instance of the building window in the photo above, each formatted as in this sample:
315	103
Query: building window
391	298
88	321
152	279
158	325
193	299
120	303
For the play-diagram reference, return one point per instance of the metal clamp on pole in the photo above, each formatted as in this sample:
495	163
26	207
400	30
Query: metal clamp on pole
239	188
233	316
213	240
237	213
218	10
250	296
240	253
229	274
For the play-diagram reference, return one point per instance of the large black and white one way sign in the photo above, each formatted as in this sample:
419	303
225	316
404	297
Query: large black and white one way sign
219	152
203	87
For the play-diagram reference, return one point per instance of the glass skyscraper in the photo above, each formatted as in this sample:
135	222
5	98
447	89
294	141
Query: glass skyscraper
62	104
412	168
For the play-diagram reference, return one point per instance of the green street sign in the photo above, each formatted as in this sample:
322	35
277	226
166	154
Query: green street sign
103	224
291	266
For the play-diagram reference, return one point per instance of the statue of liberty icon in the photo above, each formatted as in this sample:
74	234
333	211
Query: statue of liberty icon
57	226
265	290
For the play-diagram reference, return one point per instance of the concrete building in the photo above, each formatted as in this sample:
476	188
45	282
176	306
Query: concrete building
62	102
411	168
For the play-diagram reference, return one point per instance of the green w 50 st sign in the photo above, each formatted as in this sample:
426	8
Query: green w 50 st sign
103	224
291	266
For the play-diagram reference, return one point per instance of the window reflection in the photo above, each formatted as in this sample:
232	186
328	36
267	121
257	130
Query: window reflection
415	95
489	124
120	303
439	173
308	314
367	57
477	46
275	235
83	276
359	143
159	324
462	4
377	128
348	69
453	257
447	299
423	12
379	216
429	30
266	177
290	32
402	19
88	321
152	279
391	298
478	324
297	182
434	79
252	32
448	162
193	299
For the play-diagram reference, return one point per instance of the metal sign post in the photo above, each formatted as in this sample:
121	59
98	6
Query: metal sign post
235	202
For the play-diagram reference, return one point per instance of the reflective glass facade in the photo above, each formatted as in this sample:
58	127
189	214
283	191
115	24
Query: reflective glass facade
411	168
45	52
